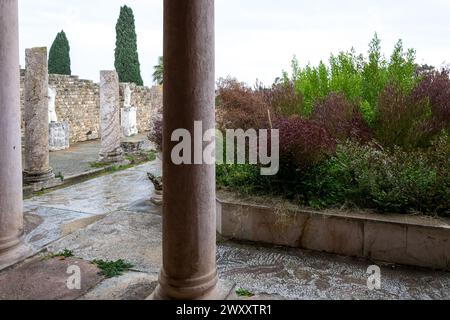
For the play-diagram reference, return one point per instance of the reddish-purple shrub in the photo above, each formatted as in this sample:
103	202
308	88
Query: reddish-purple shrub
341	118
434	92
304	143
414	120
284	99
155	134
240	107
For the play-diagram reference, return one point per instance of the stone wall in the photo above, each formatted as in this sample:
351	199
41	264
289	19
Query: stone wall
78	103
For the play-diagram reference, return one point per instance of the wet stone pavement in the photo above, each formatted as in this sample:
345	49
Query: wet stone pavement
110	218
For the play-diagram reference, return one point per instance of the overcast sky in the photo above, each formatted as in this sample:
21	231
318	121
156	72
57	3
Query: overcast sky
255	39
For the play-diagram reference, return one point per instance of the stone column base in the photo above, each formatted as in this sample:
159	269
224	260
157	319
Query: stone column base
38	177
157	198
14	255
222	291
112	157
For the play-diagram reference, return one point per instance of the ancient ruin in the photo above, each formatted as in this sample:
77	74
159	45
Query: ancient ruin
111	151
37	166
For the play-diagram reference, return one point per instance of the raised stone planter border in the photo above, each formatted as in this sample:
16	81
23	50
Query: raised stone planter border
400	239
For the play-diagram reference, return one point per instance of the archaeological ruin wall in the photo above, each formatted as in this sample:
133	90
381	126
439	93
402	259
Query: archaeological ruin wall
78	103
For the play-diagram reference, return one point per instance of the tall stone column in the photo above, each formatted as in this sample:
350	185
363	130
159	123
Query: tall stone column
11	211
37	163
189	220
110	128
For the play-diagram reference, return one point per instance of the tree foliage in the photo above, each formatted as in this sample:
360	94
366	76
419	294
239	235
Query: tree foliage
59	55
158	74
126	54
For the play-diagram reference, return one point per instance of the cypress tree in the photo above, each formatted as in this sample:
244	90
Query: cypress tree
59	55
126	54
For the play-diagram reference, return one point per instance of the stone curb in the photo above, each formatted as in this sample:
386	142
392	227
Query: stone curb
414	241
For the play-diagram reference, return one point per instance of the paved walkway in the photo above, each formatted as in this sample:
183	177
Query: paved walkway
78	158
110	218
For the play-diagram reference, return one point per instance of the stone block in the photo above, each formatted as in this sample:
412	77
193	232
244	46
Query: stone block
59	136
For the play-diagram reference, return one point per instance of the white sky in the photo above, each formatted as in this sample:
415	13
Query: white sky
255	39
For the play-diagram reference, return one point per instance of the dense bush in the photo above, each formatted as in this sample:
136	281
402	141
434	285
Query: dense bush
303	143
413	120
360	79
155	134
366	132
342	119
241	107
284	99
391	181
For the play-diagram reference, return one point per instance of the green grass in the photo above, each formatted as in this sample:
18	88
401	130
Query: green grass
244	293
111	269
63	254
60	176
98	165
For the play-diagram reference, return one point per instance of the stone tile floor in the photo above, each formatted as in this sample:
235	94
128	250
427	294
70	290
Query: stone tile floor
110	218
78	158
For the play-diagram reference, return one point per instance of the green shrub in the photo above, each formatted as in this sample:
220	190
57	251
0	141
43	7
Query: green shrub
361	79
390	181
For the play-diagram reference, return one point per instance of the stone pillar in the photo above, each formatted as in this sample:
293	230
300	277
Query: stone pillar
189	221
37	163
110	129
11	211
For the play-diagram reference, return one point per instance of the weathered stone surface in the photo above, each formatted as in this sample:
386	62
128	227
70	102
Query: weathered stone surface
111	150
129	122
119	236
54	224
52	116
130	286
59	136
37	167
385	242
46	279
333	235
416	241
99	196
128	113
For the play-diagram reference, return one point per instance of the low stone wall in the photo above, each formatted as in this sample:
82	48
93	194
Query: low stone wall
78	103
407	240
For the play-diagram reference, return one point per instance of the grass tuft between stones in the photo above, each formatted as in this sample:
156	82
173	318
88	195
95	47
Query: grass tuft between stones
111	269
63	254
244	293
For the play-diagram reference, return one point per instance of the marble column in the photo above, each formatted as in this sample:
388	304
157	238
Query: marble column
11	210
110	128
37	162
189	222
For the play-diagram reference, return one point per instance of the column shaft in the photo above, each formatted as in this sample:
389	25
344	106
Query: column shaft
11	211
110	127
189	227
37	160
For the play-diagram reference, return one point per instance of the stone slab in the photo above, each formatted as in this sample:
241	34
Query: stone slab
99	196
46	279
54	224
130	286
